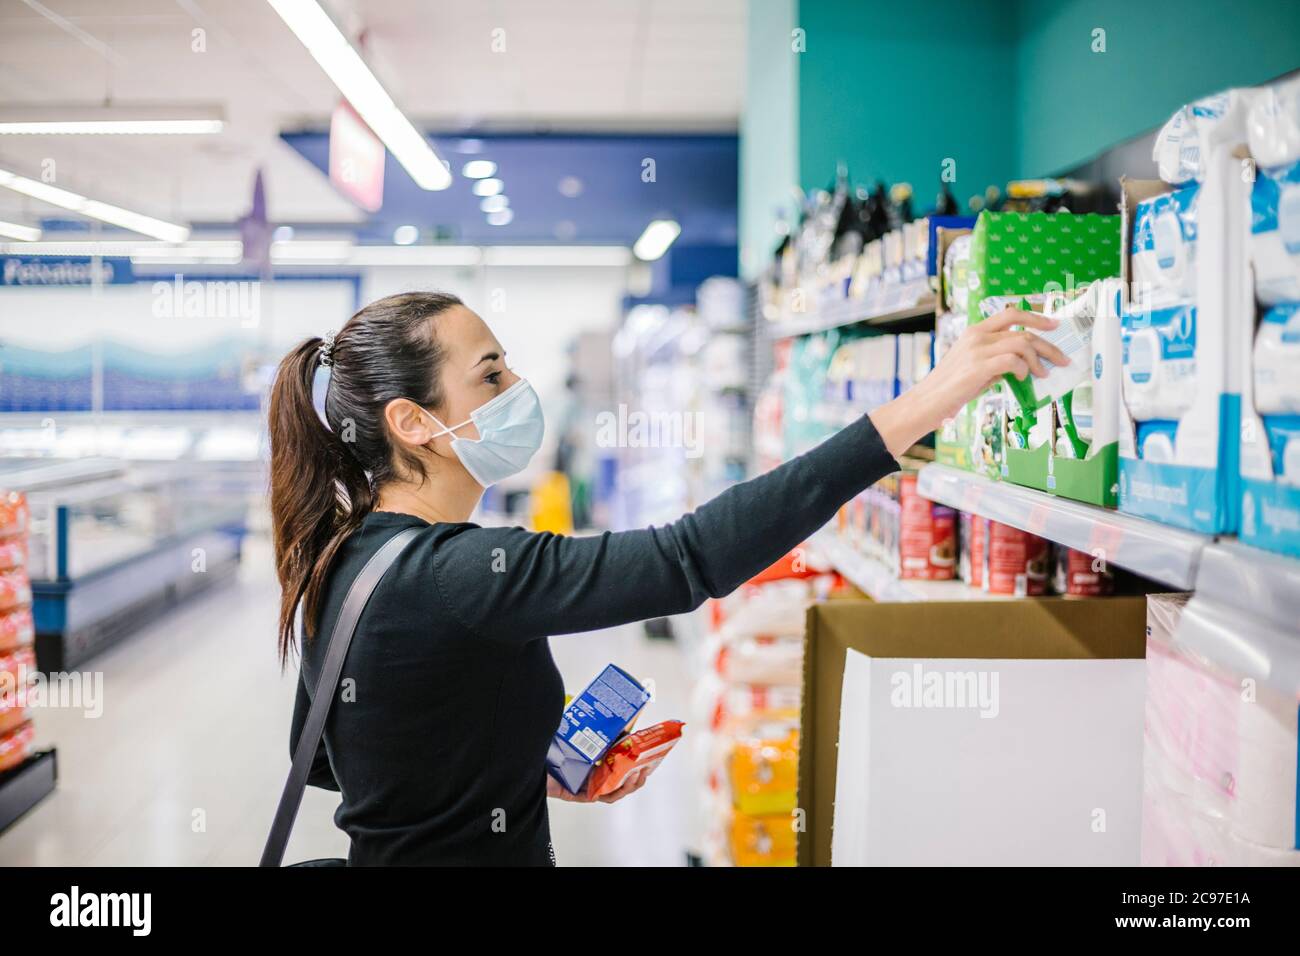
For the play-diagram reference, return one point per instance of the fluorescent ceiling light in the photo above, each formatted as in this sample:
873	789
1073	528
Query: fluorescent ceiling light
317	252
488	187
494	203
311	251
478	169
415	256
117	216
164	119
405	235
114	127
656	239
344	66
501	218
556	256
12	230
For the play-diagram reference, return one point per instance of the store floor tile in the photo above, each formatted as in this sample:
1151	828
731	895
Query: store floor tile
185	762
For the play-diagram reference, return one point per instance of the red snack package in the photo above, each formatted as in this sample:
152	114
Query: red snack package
16	629
15	515
13	553
11	717
15	590
637	751
16	746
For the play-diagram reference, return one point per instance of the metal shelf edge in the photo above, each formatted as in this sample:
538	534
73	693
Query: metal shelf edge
1160	552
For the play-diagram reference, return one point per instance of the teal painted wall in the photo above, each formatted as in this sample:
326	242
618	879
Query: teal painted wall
769	130
1007	88
1072	103
895	88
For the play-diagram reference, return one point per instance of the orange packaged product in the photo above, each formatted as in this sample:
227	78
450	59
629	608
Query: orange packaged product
15	589
637	751
16	628
11	717
13	553
17	663
15	516
763	840
764	766
16	746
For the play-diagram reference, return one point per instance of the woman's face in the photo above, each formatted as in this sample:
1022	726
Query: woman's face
473	373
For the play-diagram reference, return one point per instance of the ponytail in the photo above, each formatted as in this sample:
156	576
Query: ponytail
318	493
323	486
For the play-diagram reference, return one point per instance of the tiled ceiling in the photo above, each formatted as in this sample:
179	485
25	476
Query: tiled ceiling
576	65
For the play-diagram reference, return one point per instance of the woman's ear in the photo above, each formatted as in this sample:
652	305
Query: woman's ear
408	423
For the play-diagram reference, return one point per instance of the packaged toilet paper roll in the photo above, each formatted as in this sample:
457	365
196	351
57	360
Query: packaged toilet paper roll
1264	808
1273	124
1164	249
1159	359
1277	361
1157	441
1275	234
1283	433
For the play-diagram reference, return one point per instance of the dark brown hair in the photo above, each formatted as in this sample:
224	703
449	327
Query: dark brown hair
324	481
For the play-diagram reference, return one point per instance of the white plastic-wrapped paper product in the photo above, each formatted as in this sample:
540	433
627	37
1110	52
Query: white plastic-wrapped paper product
1275	234
1277	361
1159	357
1273	124
1164	249
1219	778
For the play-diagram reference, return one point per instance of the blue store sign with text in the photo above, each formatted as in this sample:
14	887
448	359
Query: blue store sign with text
72	270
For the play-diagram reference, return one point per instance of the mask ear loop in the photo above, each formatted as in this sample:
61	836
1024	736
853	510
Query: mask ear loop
446	429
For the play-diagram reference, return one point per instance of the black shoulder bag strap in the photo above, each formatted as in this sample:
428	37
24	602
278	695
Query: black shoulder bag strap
314	728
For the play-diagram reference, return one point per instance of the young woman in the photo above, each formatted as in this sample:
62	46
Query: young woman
439	747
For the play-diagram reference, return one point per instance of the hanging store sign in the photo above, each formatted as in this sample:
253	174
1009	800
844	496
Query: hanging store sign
356	159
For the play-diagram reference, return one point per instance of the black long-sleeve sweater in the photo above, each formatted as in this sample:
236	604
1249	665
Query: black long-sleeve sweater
438	737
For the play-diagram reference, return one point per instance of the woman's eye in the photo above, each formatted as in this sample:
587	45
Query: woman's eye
493	378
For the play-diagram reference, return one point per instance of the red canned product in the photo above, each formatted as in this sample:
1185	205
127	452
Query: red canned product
1017	562
975	531
1079	574
927	536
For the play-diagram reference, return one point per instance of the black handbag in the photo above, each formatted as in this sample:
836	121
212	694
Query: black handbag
326	686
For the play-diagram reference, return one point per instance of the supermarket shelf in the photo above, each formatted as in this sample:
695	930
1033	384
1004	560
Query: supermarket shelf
26	785
907	300
1160	552
879	583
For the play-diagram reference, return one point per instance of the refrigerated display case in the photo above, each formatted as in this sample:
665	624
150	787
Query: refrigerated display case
114	546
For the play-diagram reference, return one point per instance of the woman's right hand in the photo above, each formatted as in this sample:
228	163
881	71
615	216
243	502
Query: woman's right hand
983	353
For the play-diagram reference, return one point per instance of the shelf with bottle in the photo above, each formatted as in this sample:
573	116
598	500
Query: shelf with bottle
882	304
1156	551
880	583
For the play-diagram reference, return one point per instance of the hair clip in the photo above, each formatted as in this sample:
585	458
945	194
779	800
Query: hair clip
327	350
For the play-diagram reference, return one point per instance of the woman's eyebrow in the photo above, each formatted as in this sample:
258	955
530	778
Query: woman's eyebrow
487	357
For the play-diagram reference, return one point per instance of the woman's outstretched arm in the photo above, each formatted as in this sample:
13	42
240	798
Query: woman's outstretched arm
513	585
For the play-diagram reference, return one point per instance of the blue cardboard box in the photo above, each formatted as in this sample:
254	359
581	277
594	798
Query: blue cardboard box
592	721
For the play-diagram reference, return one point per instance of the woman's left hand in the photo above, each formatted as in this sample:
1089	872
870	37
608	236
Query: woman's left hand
634	782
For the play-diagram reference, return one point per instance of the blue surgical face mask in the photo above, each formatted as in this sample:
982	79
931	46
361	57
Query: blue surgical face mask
510	429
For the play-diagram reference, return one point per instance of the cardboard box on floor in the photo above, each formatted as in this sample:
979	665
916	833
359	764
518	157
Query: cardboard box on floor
939	634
